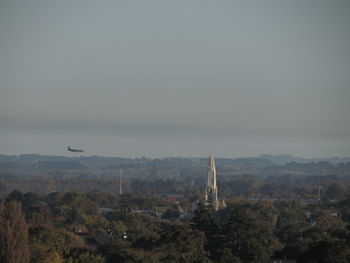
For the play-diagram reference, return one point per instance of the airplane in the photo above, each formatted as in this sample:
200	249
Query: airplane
75	150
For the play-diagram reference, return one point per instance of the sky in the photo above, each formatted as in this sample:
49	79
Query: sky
175	78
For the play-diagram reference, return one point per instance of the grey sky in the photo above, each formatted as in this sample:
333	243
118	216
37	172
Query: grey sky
167	78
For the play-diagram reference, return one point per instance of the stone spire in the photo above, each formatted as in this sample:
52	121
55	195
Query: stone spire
211	191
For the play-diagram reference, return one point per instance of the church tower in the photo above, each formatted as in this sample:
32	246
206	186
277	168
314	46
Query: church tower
211	191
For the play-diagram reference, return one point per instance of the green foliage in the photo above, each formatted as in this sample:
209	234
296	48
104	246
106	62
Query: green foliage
226	255
336	192
204	219
246	240
47	242
244	232
116	229
30	199
13	234
39	214
15	195
171	214
327	251
292	221
119	251
183	244
83	256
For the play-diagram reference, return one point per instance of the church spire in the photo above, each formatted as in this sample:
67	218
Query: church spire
211	192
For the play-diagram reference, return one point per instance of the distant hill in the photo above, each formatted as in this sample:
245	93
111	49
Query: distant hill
59	165
283	159
242	162
262	166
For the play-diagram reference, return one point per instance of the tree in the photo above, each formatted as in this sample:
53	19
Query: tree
116	229
171	214
30	199
328	222
13	234
15	195
119	251
245	238
205	220
183	244
83	256
327	251
227	256
336	191
48	244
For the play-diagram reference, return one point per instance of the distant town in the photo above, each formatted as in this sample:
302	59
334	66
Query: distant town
103	209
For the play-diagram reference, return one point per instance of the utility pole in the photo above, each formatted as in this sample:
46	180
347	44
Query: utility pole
319	193
120	182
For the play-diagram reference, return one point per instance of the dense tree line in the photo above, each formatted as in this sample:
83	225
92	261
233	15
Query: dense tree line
69	227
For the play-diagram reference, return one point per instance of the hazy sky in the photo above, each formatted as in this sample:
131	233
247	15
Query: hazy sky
169	78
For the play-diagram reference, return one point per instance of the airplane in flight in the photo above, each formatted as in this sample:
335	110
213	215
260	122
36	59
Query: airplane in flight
75	150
